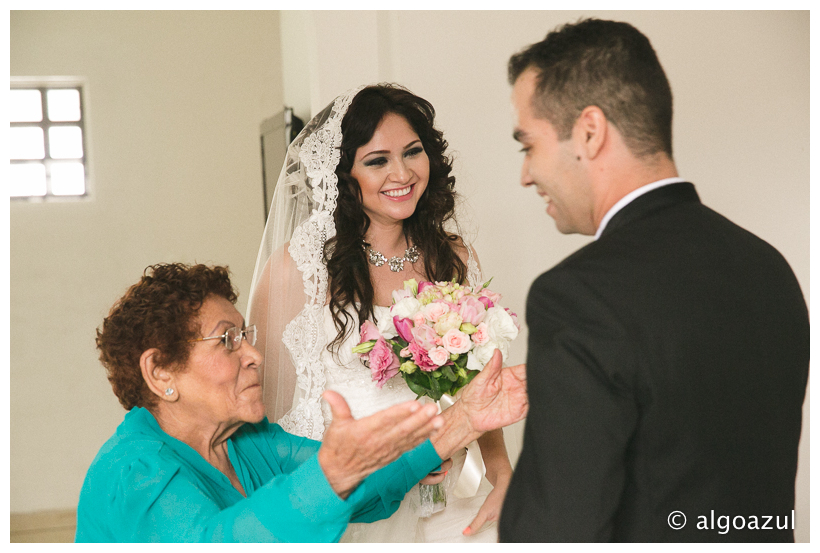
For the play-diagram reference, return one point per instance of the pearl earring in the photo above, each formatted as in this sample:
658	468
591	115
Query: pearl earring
169	391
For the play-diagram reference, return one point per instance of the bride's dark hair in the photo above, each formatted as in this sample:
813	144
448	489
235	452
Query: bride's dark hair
345	258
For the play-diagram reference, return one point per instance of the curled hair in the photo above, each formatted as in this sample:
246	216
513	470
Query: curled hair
608	64
160	311
346	259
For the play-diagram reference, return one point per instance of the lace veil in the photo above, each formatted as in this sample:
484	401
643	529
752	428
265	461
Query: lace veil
289	287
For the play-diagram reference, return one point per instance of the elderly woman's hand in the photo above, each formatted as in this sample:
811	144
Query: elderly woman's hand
497	397
353	449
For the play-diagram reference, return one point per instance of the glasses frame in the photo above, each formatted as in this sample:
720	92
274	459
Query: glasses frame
228	343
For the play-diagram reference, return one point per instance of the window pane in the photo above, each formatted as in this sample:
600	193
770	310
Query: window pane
27	179
63	105
67	179
26	143
65	142
25	106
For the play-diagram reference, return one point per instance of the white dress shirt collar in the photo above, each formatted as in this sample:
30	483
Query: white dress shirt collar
623	202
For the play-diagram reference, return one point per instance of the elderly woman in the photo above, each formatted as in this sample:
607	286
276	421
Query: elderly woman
196	460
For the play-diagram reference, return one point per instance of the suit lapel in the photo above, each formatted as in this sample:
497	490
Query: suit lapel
650	202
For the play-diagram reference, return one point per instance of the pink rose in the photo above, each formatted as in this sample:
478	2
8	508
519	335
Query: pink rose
404	327
435	310
472	310
439	356
425	336
384	363
481	336
421	358
456	341
369	331
406	353
486	301
418	318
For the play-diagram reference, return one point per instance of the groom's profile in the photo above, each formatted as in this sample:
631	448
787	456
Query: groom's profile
667	360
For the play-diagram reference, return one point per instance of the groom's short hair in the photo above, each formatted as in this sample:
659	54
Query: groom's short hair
608	64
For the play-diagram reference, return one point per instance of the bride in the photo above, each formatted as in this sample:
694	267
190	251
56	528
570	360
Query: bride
360	207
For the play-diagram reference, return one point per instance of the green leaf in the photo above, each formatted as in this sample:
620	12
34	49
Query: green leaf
448	372
470	376
436	388
396	348
415	388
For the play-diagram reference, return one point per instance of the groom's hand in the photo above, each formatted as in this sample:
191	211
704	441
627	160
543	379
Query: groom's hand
353	449
497	397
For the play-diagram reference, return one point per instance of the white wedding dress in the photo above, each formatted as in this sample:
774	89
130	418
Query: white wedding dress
346	374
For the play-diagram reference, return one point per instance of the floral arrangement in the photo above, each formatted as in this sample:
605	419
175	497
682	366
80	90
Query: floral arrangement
438	337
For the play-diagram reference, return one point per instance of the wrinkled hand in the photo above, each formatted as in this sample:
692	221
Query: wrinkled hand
438	476
497	397
353	449
491	508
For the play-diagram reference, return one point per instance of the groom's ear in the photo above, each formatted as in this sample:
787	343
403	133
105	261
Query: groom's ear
590	131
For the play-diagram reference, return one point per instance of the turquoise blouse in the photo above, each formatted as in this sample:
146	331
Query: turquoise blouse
146	486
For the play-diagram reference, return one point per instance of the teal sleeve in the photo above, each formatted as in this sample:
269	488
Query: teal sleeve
155	501
380	494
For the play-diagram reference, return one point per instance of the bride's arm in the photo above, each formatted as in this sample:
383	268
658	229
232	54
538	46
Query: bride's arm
499	473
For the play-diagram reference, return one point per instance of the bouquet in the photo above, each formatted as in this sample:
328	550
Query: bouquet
440	335
438	338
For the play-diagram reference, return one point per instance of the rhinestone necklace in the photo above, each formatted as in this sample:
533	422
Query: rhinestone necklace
396	264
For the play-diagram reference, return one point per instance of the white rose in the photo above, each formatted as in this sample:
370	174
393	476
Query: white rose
405	309
385	323
481	355
500	325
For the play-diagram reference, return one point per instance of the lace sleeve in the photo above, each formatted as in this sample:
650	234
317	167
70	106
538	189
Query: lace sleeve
474	277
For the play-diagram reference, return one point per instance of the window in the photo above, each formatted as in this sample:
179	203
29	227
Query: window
46	141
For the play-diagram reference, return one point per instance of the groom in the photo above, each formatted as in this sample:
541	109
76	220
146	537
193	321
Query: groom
668	359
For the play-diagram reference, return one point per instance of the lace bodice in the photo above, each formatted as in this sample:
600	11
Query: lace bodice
342	371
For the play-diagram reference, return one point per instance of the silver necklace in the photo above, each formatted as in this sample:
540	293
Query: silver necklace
396	264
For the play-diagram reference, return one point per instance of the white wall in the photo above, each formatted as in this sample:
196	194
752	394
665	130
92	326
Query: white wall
174	101
740	81
174	104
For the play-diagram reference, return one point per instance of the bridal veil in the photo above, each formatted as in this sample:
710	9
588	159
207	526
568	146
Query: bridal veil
290	282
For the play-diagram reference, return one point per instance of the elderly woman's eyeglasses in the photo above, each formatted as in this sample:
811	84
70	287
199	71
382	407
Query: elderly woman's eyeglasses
233	337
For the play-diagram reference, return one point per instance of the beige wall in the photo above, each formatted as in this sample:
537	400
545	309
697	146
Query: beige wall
174	101
740	81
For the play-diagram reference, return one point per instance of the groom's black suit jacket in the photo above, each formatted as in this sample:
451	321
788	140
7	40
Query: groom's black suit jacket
666	371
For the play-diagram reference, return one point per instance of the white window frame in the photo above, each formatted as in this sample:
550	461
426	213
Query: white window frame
50	83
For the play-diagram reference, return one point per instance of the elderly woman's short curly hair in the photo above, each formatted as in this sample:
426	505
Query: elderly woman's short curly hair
160	311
